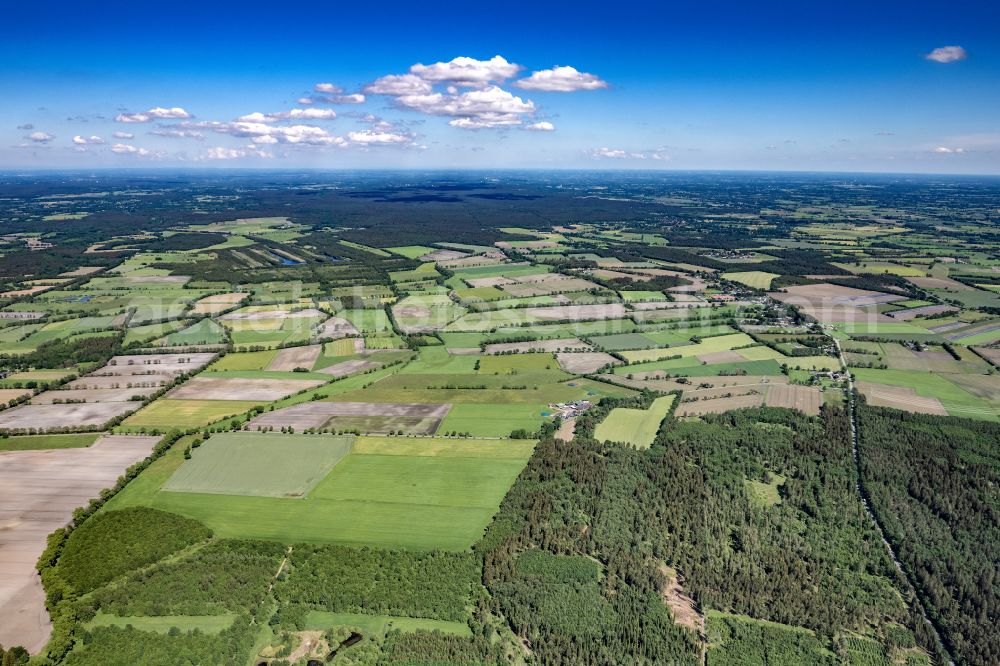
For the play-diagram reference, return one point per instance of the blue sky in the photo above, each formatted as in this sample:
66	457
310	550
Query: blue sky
845	86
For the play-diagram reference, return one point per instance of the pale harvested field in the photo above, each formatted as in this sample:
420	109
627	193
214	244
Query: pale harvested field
230	388
443	255
803	398
939	283
273	314
721	357
210	308
417	418
38	492
719	405
231	298
56	416
349	367
900	397
906	315
826	293
607	274
549	283
17	293
559	344
82	270
290	358
585	362
22	315
984	386
138	364
120	381
6	395
336	327
578	312
490	281
992	355
567	428
93	395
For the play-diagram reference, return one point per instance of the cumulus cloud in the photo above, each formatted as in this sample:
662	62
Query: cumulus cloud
378	138
328	88
126	149
40	137
223	153
947	54
88	140
175	133
467	72
543	126
561	79
124	135
945	150
399	84
294	114
476	109
265	133
156	113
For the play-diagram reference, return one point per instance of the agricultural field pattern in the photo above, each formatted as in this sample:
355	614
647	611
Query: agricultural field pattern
492	419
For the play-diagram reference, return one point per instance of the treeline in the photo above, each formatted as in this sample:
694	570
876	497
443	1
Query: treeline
389	582
225	576
66	353
111	544
932	481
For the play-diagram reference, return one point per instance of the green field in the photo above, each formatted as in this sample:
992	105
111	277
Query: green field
170	413
414	493
956	400
162	624
634	426
259	464
752	279
257	360
411	251
706	346
42	442
376	625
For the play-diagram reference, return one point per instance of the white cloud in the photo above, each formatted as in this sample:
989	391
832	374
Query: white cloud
353	98
475	109
87	140
374	138
619	154
399	84
305	100
469	72
945	150
174	133
156	113
947	54
543	126
125	149
124	135
561	79
328	88
40	137
307	114
255	117
255	131
222	153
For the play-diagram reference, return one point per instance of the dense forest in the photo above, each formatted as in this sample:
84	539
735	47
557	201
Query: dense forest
933	483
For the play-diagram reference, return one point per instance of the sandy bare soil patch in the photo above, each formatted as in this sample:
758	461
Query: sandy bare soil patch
268	315
584	363
290	358
464	351
57	416
38	492
900	397
803	398
682	607
231	388
578	312
825	292
721	357
575	344
906	315
336	328
349	367
939	283
364	416
17	293
93	395
22	315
